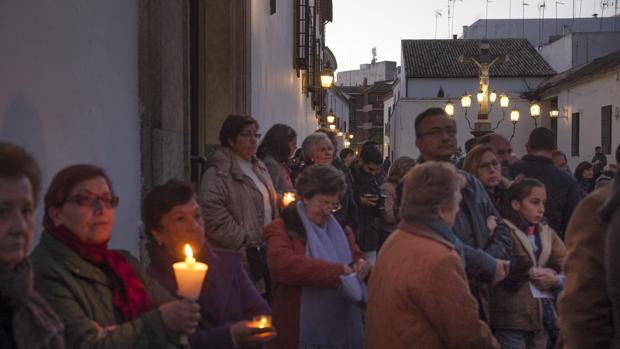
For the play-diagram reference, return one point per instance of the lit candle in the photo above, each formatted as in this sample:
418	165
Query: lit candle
261	321
287	198
189	275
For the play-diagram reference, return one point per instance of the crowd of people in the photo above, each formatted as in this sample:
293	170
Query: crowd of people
482	251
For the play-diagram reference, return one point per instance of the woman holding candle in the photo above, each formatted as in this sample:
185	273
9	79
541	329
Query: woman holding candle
237	196
307	252
26	320
275	151
418	296
105	298
228	298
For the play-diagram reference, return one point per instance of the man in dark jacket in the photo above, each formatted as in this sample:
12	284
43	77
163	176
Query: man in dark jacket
368	197
563	192
486	254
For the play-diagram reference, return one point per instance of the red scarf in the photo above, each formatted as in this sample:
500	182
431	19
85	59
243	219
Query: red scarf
129	296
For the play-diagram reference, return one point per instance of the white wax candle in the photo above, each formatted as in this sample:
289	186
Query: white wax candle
189	275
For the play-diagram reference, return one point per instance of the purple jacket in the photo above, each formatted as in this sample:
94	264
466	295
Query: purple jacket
227	294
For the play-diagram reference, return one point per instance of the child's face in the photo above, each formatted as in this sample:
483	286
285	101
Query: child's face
532	207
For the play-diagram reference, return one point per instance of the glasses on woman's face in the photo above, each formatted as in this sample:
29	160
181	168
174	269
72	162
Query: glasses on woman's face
92	201
333	206
487	166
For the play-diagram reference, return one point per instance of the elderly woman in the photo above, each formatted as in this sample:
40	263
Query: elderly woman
275	151
237	196
26	320
308	251
418	295
482	162
105	298
228	298
396	173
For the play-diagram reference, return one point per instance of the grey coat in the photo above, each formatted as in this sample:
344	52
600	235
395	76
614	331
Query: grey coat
481	249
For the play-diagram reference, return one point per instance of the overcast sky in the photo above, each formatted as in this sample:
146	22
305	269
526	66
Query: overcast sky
360	25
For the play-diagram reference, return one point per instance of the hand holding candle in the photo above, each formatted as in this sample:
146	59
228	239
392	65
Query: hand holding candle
287	198
190	276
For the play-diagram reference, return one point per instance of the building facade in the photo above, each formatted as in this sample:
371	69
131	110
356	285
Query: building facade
432	75
141	87
371	73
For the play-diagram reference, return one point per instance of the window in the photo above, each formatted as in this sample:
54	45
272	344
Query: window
575	135
606	129
554	128
272	6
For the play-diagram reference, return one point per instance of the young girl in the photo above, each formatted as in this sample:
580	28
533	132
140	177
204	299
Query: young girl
522	310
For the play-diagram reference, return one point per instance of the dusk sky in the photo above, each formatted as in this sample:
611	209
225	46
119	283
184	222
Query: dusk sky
360	25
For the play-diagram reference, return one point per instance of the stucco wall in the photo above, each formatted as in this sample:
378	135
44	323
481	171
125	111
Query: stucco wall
69	93
455	88
276	90
402	130
559	53
587	99
379	71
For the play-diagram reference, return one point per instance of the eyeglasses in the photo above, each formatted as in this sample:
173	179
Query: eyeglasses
486	166
334	206
437	131
93	201
250	135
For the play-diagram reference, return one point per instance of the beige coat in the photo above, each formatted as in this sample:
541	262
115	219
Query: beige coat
518	309
232	205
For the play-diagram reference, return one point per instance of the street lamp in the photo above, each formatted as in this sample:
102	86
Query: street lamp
514	118
449	108
535	112
492	97
340	133
331	118
480	96
504	100
332	127
351	136
554	113
327	77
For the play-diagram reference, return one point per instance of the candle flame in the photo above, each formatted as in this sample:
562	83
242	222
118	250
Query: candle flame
188	251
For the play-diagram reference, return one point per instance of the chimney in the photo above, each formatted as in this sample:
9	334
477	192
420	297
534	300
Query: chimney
365	82
454	36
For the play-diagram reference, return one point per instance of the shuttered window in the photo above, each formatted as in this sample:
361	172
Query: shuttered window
606	129
575	135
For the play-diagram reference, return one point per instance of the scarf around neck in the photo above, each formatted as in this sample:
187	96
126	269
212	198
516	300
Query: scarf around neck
35	324
326	318
442	229
129	296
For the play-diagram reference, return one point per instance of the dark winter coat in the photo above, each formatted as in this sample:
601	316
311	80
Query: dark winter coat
369	218
563	192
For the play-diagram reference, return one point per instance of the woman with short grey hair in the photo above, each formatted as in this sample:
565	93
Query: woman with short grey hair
307	252
318	149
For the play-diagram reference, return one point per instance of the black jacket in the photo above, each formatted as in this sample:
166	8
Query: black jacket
563	191
369	218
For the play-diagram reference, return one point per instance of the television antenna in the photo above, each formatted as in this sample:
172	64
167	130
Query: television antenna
437	15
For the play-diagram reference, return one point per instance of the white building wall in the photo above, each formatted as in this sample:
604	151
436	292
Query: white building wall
372	72
559	53
277	95
587	99
455	88
402	124
388	108
69	93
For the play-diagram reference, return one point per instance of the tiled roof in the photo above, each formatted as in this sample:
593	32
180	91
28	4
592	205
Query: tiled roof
440	58
600	65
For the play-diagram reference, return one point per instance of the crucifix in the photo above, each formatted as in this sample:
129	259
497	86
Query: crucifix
484	60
